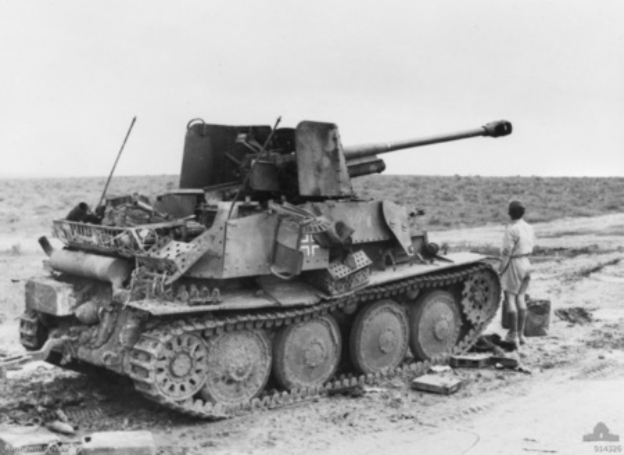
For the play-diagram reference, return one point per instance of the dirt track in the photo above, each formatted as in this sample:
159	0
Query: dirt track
578	375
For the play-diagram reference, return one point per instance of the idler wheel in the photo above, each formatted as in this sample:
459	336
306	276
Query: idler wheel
181	366
434	323
307	354
379	337
239	365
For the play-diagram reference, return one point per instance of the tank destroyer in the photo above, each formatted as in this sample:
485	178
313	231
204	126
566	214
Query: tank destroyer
263	279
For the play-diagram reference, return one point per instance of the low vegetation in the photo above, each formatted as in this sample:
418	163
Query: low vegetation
452	202
27	206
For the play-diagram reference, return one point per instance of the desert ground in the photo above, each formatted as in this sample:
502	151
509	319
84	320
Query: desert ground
576	371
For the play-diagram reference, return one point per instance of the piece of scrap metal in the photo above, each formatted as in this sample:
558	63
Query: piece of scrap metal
13	361
470	361
434	383
504	362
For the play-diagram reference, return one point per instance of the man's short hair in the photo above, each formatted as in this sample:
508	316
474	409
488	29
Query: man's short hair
516	210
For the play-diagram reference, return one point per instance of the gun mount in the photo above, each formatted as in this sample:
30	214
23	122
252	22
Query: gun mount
307	161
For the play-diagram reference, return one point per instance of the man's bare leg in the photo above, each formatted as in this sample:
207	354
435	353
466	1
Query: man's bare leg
512	318
522	316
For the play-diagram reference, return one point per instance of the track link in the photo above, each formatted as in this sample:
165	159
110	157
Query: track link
143	356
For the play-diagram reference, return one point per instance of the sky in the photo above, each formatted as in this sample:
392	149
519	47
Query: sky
74	73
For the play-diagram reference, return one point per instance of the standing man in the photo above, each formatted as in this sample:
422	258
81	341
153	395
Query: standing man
515	270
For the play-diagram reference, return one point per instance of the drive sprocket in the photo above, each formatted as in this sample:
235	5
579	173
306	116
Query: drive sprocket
481	295
179	366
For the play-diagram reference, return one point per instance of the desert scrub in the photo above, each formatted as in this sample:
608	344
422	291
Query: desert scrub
27	206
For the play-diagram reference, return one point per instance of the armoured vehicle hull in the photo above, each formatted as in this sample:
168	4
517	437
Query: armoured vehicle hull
263	280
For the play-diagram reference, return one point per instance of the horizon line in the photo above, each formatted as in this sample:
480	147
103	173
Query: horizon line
66	177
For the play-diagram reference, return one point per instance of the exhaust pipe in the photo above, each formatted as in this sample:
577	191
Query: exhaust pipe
102	268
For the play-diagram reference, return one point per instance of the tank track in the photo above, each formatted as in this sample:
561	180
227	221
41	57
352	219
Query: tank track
143	355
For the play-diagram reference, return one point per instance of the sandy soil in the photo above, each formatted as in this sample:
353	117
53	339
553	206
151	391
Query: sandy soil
576	381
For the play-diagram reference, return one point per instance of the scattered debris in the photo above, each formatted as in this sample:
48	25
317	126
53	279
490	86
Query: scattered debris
119	443
437	384
31	440
38	441
508	346
492	343
440	369
499	358
355	391
483	344
374	390
470	360
69	415
15	361
575	315
62	416
522	369
60	427
504	362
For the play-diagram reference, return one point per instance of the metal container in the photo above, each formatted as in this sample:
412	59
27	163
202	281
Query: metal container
538	317
119	443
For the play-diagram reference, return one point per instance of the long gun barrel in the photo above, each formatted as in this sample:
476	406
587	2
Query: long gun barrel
494	129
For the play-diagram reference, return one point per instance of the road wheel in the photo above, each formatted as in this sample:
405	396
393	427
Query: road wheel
379	337
180	369
307	354
238	366
434	324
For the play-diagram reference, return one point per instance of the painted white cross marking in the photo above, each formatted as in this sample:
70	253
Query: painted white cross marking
308	245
